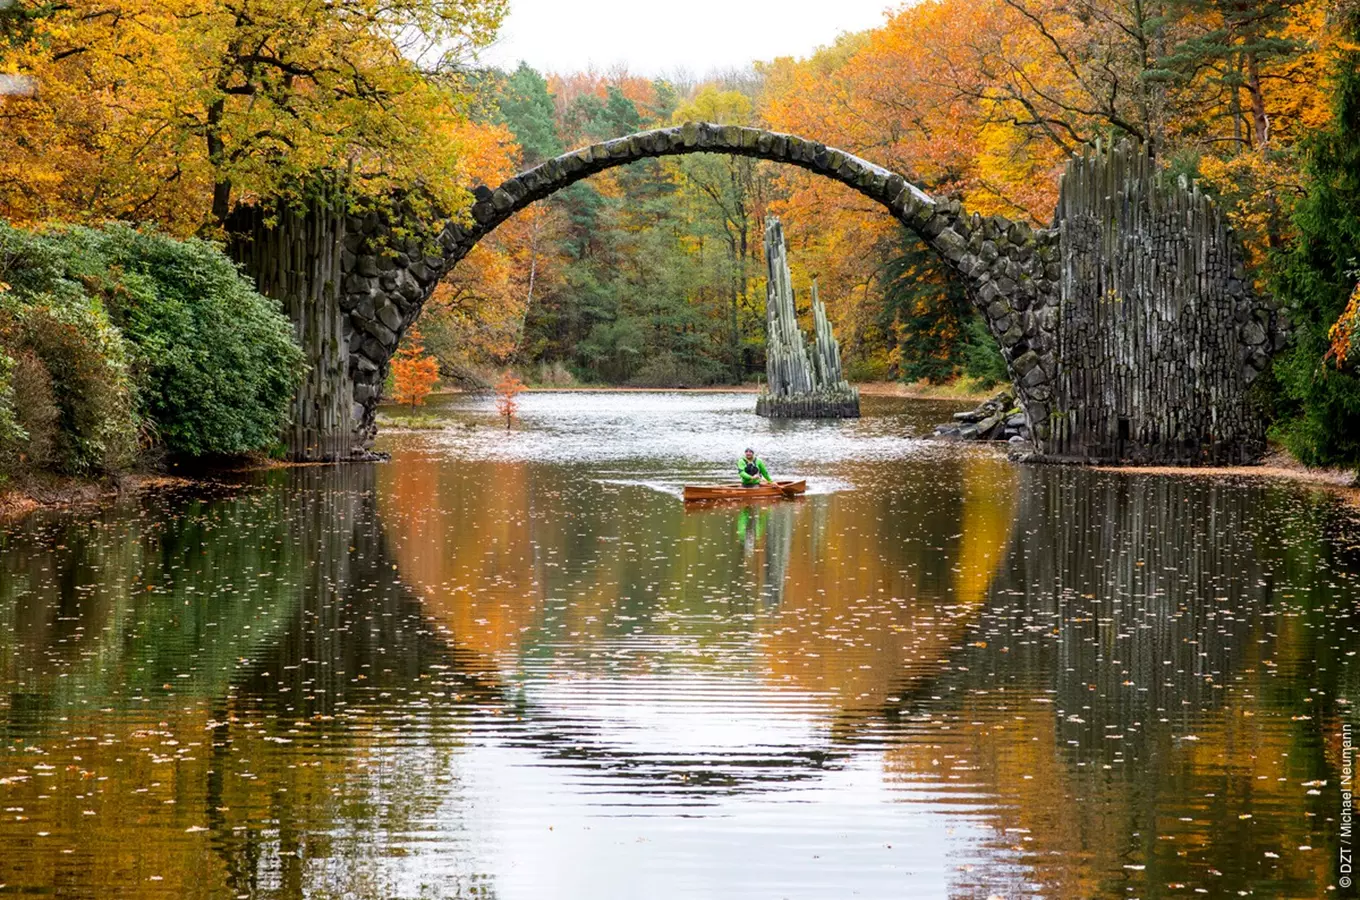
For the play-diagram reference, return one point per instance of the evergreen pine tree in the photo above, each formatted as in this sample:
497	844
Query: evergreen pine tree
527	108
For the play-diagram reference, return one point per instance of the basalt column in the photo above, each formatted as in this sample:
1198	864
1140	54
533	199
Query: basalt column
801	385
1159	332
294	254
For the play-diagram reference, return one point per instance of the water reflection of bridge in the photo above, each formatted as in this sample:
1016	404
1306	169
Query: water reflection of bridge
1110	640
1099	606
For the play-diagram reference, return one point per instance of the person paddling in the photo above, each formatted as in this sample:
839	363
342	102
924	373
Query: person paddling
752	469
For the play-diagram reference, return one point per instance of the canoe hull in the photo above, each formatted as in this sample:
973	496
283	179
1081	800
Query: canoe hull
697	494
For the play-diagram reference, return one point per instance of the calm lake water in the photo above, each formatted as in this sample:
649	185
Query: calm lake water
513	665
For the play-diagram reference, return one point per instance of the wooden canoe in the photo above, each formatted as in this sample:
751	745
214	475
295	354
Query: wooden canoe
697	493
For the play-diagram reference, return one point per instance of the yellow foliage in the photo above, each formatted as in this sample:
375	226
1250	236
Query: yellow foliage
173	109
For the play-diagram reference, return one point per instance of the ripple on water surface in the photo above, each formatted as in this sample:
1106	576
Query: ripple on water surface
514	665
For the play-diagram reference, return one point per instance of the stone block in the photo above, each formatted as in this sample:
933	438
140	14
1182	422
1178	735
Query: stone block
1253	335
357	284
934	225
1025	364
370	347
388	315
483	212
409	288
987	426
385	337
950	245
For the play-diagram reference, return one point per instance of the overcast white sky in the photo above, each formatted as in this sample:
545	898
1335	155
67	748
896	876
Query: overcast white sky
657	37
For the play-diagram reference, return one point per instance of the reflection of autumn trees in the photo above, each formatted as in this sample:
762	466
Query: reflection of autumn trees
844	591
210	732
466	545
864	609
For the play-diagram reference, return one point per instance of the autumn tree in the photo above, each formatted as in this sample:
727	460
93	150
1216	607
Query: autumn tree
507	389
174	111
414	372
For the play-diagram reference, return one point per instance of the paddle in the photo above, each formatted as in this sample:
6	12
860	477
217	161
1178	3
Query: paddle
786	489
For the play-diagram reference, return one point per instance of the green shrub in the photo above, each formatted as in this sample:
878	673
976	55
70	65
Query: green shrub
873	368
10	430
37	416
214	363
667	370
71	395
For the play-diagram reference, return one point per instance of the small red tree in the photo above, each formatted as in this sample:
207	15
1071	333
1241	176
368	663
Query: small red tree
1343	332
507	390
414	372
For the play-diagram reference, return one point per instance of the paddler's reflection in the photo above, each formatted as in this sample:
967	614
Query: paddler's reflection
751	524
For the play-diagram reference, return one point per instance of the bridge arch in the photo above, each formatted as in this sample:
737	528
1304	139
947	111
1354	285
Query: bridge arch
1130	328
1010	270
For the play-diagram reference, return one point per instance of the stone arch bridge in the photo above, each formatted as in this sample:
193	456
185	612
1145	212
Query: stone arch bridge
1128	328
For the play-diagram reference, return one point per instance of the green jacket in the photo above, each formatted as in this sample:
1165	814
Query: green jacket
761	472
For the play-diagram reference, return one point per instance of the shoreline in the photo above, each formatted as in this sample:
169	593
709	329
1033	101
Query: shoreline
1276	465
57	492
916	391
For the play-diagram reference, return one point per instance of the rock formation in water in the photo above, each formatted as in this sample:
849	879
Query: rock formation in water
802	384
998	419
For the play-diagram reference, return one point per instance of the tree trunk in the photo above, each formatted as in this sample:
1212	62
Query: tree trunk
1260	121
221	197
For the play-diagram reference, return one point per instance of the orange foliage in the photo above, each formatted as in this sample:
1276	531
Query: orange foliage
986	100
1342	333
507	390
476	316
414	373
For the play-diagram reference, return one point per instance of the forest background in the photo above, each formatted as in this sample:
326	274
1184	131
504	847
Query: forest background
651	274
